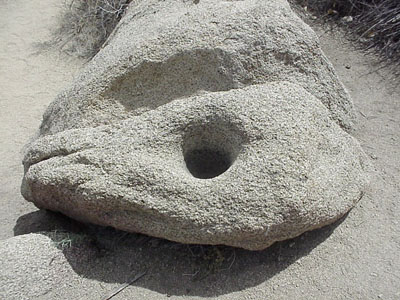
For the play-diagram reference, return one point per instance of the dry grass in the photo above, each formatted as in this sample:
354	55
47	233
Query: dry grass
375	23
86	24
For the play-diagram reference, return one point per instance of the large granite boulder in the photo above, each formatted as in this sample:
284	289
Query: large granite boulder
165	50
218	123
246	168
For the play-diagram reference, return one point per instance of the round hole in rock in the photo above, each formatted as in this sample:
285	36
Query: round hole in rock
207	163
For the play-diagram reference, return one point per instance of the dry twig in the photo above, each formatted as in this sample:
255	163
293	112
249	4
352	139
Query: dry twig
123	286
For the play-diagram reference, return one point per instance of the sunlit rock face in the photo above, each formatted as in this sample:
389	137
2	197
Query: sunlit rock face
220	122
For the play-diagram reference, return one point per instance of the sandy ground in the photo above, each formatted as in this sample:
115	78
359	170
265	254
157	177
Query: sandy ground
29	80
355	258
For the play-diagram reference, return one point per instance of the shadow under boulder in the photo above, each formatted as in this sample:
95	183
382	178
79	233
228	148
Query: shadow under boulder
112	256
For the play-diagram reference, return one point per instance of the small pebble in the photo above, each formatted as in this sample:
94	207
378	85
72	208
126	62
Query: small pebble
347	19
332	12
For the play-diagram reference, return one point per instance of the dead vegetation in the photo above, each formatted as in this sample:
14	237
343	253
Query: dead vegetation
86	24
374	23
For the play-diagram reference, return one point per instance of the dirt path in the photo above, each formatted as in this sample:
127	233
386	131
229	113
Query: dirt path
29	80
357	258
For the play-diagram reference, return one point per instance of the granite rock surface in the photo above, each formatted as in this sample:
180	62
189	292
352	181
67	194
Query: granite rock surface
220	122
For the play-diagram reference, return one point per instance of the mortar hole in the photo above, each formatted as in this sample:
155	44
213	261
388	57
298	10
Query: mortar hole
206	163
